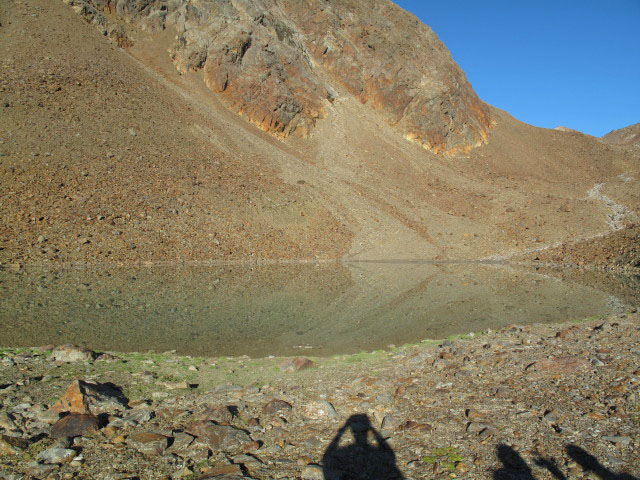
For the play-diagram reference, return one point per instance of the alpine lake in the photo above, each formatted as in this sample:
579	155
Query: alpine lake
319	309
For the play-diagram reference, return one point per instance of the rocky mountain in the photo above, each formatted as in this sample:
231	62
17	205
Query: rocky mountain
279	64
624	136
232	130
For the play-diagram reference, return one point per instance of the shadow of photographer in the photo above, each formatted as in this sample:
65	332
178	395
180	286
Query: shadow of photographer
368	457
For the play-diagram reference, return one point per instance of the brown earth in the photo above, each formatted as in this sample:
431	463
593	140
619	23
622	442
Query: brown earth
618	251
114	155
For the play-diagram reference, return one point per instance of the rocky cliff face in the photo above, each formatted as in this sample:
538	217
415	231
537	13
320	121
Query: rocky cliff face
283	64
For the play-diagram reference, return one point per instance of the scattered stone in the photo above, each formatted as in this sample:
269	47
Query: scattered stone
557	365
10	445
7	422
218	414
389	423
319	409
222	438
56	455
276	407
72	353
38	470
415	426
74	425
175	385
149	443
224	471
181	440
296	364
619	439
94	398
47	416
139	416
313	472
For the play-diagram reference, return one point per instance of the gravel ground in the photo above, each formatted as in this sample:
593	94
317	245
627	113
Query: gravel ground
534	402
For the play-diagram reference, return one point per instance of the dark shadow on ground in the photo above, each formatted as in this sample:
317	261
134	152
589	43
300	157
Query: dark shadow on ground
589	463
515	468
360	460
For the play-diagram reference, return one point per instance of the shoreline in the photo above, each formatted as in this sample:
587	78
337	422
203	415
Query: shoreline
463	407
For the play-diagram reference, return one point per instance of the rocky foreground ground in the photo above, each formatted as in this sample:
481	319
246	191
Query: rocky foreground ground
532	402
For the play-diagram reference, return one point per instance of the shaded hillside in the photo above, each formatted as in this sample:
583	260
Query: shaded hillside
114	155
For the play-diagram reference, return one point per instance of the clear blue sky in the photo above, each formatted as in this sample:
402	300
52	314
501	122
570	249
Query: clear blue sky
548	63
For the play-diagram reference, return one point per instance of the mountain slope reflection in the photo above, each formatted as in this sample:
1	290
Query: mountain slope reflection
280	309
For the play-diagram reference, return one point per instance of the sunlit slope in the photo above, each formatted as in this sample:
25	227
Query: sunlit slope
112	155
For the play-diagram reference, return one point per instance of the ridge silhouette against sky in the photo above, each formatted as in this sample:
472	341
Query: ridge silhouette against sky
574	63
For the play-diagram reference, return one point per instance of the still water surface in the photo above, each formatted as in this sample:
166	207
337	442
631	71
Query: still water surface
290	309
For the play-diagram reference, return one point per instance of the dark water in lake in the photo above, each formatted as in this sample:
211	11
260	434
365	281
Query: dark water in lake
319	310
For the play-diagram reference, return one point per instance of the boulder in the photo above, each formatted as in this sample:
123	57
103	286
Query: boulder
72	353
74	425
319	409
56	455
93	398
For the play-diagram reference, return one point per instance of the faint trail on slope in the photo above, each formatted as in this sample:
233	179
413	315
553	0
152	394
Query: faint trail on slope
618	212
615	221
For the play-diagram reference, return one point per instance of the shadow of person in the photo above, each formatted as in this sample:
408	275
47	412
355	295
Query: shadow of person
589	463
360	460
514	466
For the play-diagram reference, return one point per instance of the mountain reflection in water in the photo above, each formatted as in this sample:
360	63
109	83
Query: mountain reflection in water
321	309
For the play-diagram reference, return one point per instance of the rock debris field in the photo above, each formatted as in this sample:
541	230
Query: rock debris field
534	402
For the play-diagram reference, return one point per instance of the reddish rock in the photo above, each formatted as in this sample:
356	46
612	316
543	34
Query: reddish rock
74	425
228	471
94	398
565	332
296	364
555	365
416	426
